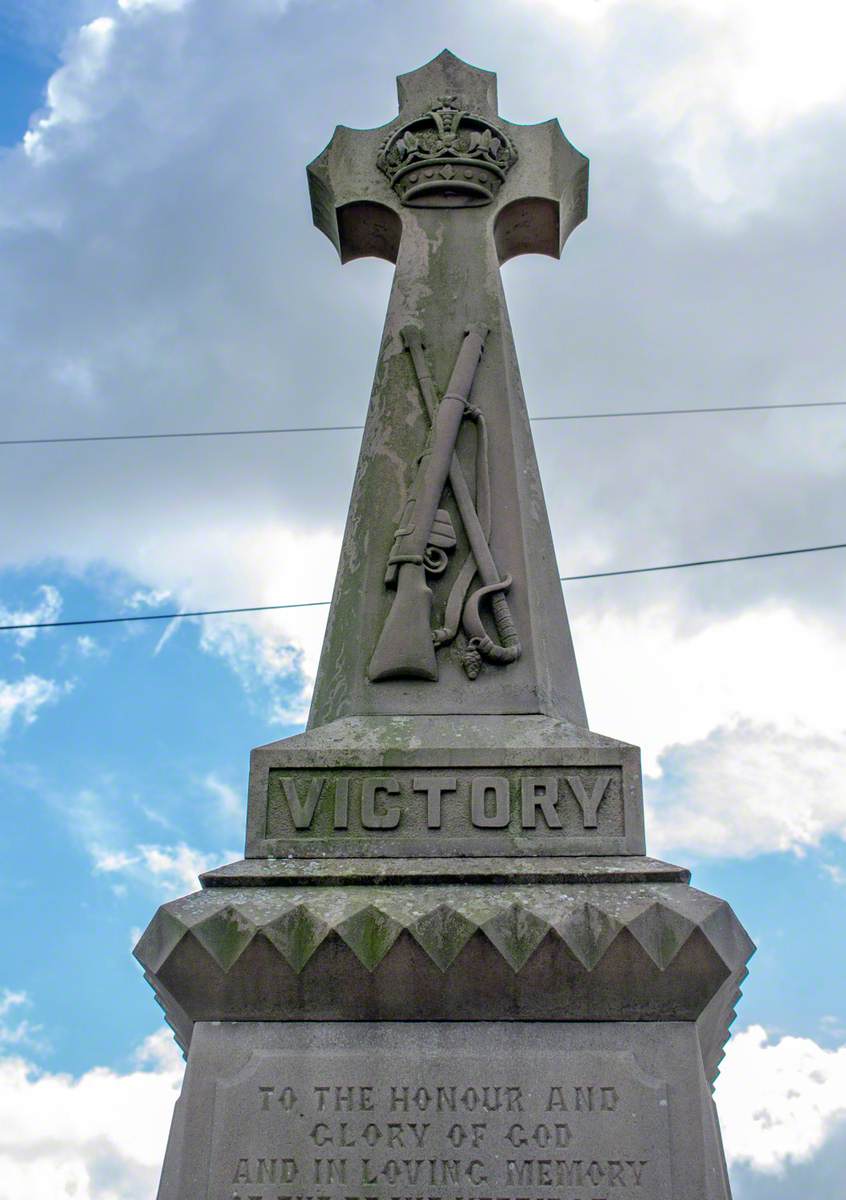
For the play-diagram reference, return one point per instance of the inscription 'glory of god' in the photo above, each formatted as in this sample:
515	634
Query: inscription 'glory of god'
462	1134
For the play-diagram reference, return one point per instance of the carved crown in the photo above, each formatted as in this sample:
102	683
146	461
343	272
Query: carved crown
447	158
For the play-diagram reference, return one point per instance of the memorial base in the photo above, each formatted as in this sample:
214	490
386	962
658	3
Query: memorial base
378	1040
446	1110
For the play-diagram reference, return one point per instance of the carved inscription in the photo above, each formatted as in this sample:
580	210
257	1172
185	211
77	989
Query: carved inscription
589	1127
541	804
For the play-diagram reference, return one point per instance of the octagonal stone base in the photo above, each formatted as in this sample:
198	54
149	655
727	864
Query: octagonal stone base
635	948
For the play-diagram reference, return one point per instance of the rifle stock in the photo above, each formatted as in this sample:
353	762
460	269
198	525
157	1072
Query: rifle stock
406	646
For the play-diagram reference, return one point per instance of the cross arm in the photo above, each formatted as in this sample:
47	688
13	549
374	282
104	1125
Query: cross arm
351	202
545	196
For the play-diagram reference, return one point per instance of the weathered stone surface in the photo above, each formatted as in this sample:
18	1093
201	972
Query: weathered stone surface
283	872
576	1111
543	952
442	786
447	279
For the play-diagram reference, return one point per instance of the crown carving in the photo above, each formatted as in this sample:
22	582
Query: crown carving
447	158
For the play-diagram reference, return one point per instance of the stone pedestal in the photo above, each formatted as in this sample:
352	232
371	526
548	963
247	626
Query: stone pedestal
457	786
550	1029
574	1110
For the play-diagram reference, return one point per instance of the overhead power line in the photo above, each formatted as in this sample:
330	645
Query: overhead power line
218	612
686	412
704	562
171	616
153	437
584	416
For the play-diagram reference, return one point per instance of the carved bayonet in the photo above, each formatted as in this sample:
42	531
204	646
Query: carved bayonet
476	518
406	646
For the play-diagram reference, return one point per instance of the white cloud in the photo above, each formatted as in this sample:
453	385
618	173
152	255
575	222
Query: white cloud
269	564
779	1100
100	1136
724	78
14	1029
661	676
739	719
167	5
836	874
170	630
171	869
10	1000
764	64
70	90
46	609
230	801
23	698
89	647
146	598
110	861
176	867
831	1025
749	790
99	823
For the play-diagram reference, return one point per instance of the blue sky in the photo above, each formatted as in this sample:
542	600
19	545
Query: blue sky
96	774
23	90
158	271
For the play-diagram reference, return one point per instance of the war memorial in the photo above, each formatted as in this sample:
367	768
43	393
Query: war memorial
445	968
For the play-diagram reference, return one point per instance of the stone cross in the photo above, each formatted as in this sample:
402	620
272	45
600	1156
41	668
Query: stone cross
447	597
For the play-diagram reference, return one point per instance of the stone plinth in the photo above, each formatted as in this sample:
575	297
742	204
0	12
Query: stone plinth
507	1109
463	786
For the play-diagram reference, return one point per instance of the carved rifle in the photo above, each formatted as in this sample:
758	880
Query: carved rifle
406	646
476	517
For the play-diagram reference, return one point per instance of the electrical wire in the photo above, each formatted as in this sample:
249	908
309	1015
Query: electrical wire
584	416
704	562
217	612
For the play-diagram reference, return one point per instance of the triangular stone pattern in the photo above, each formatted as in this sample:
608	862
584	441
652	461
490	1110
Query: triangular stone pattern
443	933
515	921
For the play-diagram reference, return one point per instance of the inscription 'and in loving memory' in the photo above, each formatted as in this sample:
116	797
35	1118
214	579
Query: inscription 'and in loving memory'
548	801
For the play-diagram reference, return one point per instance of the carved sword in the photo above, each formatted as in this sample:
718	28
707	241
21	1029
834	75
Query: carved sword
493	583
